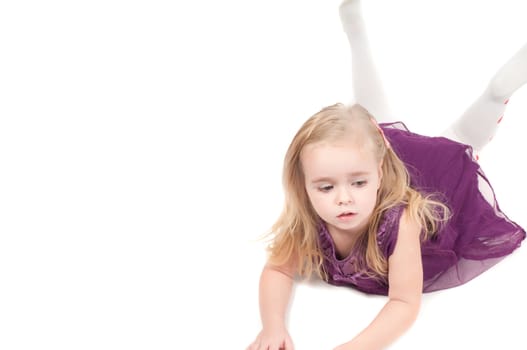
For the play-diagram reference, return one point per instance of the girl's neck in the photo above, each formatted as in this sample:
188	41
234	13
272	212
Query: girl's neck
344	241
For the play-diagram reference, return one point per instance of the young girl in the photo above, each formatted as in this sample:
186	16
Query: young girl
383	210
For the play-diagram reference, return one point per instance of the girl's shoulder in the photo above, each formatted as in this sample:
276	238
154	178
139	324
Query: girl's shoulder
388	229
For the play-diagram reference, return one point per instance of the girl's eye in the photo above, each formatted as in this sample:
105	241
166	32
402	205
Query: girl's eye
325	188
359	183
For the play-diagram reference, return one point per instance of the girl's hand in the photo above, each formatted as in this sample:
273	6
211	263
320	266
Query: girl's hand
277	339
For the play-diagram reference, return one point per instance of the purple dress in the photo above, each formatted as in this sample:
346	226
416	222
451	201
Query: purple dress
476	237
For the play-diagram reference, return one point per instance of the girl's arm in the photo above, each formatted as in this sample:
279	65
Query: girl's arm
276	284
406	284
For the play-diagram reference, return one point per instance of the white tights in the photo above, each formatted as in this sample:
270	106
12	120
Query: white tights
479	122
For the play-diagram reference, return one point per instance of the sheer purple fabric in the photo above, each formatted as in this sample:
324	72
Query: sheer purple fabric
477	236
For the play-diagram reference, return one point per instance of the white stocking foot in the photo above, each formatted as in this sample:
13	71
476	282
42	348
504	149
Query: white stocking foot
351	15
511	76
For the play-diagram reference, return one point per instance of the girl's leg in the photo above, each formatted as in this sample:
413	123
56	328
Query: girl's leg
367	85
478	124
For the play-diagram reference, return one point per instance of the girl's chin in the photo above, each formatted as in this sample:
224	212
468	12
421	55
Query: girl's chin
350	226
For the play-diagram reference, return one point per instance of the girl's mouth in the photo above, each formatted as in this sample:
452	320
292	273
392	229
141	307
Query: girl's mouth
346	215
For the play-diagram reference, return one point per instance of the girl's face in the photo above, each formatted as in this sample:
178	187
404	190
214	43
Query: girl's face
341	181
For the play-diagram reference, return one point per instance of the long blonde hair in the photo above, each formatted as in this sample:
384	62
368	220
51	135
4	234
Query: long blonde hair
294	236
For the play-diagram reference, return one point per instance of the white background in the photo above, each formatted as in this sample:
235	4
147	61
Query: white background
141	145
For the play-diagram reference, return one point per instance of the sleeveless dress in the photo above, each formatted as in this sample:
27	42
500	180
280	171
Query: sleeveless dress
476	237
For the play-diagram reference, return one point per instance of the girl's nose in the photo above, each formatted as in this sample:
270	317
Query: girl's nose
344	198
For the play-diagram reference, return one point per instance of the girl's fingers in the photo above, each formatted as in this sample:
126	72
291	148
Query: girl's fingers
289	344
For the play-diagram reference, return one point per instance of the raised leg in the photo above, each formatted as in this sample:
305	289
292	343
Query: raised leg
367	86
479	122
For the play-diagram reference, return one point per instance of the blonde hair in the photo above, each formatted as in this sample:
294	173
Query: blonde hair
294	236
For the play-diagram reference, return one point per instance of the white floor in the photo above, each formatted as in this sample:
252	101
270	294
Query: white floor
141	146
